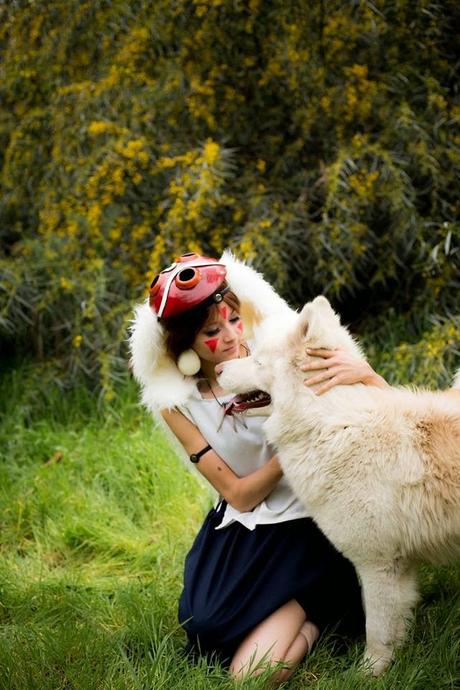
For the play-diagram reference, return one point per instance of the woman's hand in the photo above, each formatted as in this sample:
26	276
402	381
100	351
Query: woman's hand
339	367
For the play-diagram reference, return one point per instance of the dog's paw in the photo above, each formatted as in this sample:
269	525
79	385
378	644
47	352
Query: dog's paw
375	664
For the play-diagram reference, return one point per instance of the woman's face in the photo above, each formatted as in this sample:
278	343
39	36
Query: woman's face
220	337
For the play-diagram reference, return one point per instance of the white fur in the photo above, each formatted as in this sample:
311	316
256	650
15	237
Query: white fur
162	384
377	468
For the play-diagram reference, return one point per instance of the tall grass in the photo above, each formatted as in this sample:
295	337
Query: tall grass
96	518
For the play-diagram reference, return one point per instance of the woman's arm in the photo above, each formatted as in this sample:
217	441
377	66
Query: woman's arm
339	367
243	493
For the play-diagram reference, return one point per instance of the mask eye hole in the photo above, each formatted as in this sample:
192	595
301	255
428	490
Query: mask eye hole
155	286
188	278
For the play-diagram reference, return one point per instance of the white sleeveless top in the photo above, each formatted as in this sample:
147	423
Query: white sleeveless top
239	440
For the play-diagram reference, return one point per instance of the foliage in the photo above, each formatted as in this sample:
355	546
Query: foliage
427	362
317	139
96	520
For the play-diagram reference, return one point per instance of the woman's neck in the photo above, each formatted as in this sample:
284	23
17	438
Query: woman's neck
207	369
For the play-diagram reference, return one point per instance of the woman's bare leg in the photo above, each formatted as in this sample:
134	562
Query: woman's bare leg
285	636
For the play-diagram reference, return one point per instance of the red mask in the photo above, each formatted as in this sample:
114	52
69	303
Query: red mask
185	284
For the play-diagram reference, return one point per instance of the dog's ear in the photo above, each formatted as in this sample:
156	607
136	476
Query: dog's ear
313	319
306	320
321	302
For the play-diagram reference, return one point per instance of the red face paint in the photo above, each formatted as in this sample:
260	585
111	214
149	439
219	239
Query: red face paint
239	326
212	343
223	311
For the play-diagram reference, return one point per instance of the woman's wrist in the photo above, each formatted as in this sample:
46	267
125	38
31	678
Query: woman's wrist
373	379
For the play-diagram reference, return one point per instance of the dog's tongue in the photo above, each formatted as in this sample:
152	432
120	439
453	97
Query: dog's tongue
245	401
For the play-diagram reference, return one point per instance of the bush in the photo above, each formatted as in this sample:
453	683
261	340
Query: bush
317	139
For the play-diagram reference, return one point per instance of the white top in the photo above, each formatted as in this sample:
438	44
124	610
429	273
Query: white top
239	440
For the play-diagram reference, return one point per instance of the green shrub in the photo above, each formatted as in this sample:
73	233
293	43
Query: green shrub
319	140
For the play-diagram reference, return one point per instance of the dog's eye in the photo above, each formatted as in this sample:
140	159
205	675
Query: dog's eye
257	363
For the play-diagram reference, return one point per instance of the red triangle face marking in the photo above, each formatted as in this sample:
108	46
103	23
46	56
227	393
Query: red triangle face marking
239	326
212	343
223	310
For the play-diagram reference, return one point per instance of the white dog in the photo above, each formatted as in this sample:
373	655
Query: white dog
378	469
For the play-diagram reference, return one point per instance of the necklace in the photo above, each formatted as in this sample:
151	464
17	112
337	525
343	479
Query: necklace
213	394
228	410
227	407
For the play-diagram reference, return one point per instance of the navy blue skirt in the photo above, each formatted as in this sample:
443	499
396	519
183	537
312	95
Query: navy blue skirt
234	578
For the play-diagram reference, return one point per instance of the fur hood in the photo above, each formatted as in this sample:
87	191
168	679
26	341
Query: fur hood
162	384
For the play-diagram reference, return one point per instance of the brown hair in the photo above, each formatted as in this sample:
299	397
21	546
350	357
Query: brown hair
182	329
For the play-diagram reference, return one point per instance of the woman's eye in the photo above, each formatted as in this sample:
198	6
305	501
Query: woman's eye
214	331
234	319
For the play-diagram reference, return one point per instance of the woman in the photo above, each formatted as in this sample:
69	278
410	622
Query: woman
261	581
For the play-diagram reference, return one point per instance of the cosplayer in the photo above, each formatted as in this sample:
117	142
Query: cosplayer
261	581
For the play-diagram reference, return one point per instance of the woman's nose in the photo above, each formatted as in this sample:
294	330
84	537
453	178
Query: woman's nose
229	334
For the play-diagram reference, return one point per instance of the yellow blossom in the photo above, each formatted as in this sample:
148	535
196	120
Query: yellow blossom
211	151
65	284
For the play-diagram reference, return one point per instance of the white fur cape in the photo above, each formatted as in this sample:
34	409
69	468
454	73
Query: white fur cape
162	384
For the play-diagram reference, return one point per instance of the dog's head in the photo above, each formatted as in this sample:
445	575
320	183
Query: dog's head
255	372
281	344
319	326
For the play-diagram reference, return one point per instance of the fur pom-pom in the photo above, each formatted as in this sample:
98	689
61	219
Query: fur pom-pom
162	384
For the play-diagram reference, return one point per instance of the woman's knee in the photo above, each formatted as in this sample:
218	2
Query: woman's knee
272	643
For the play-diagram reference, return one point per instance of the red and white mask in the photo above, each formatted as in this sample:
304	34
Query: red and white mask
185	284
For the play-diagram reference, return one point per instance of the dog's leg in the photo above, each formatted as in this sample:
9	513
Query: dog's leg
390	593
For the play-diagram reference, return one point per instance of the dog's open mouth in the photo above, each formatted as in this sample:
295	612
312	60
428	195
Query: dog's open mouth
246	401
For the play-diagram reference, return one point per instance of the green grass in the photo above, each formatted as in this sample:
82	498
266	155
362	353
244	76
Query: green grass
96	518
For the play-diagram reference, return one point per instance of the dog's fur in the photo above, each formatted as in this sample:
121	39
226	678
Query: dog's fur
377	468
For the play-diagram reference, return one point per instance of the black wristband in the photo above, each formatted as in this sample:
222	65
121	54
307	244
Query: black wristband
195	457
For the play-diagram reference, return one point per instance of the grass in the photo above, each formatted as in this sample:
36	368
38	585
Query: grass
96	518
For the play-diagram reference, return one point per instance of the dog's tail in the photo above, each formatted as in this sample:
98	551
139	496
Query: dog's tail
456	383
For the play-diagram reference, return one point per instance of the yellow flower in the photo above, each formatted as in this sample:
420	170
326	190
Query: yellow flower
115	234
76	342
65	284
96	127
211	152
359	71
